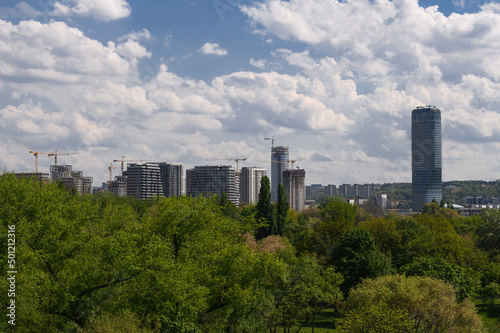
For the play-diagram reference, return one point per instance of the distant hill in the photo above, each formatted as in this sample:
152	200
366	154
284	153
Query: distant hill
454	191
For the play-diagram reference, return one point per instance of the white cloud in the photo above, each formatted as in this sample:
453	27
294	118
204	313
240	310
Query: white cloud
258	63
213	48
103	10
136	35
20	10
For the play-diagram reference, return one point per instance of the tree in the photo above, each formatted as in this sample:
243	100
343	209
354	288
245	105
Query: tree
430	305
464	280
337	217
266	211
228	208
376	317
300	292
356	257
490	292
489	233
282	208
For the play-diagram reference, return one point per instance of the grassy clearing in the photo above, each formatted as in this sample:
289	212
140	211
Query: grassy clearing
325	320
490	315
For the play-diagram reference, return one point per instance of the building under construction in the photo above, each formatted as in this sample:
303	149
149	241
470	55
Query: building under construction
213	180
295	187
72	180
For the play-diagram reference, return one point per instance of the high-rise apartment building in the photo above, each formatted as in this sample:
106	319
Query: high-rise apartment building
143	180
295	188
280	157
119	185
426	156
71	179
213	180
250	179
172	179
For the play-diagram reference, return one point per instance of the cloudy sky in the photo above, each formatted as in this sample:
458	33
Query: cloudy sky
200	81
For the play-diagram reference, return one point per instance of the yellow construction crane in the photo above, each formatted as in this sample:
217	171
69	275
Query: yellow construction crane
233	159
56	153
36	153
123	160
110	168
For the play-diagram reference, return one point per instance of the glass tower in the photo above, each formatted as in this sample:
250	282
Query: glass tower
426	156
279	162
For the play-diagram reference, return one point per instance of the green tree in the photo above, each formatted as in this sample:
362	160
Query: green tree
464	280
266	211
376	317
228	208
489	233
282	208
490	292
300	292
337	217
430	303
356	257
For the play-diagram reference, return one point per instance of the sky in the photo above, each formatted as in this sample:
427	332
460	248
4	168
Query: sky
206	82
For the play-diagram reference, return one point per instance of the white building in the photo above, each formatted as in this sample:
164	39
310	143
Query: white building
250	179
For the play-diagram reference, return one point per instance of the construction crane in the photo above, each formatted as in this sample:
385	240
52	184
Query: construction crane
123	160
273	139
110	168
292	194
36	153
233	159
56	153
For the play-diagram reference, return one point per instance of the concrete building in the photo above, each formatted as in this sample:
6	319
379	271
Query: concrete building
119	185
330	190
426	156
40	176
344	190
172	179
294	181
213	180
365	191
73	180
250	179
143	180
280	157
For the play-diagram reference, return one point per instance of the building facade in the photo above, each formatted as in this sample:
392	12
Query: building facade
72	180
172	179
143	180
250	179
426	156
280	159
295	188
211	180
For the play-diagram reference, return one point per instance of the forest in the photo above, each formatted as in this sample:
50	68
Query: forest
102	263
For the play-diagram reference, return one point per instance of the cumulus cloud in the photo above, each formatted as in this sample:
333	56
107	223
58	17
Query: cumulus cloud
213	48
102	10
402	56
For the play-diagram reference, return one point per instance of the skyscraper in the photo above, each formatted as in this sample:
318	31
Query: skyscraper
279	162
250	179
426	156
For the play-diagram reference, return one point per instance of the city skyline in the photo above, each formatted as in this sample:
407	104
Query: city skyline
193	82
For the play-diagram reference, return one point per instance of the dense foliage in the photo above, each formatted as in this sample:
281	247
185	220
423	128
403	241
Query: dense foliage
110	264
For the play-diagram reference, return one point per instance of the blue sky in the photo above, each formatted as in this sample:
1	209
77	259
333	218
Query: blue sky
195	82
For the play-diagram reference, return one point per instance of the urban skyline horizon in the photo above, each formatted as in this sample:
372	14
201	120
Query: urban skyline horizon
191	82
